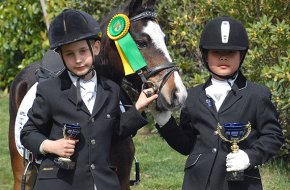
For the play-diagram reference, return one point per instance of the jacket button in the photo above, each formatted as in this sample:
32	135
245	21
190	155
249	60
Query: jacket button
214	150
108	116
92	120
93	141
93	166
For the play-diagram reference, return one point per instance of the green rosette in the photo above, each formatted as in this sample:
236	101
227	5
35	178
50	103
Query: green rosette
118	31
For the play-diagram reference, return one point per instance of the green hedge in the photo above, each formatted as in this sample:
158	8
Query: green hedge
23	38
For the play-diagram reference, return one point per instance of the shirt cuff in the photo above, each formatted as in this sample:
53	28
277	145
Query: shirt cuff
41	149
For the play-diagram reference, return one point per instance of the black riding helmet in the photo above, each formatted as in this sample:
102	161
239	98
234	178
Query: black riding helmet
71	26
223	33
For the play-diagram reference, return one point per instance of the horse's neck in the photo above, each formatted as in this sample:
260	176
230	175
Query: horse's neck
131	84
105	68
129	88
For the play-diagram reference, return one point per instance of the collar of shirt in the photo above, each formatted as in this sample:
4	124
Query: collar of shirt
83	82
229	82
219	90
88	90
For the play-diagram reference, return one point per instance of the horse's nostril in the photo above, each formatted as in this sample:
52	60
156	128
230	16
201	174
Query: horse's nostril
175	97
175	94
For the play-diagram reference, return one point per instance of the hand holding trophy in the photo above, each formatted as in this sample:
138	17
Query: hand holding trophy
234	133
70	131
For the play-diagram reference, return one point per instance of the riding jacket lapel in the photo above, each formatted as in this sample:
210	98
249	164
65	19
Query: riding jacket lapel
101	96
235	94
207	101
68	88
232	97
71	91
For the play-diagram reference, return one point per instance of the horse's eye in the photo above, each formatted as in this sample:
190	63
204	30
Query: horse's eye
141	44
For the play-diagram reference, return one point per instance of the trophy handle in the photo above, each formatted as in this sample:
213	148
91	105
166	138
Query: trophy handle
219	128
63	132
248	126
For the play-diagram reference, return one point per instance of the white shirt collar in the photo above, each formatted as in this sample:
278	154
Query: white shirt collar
74	78
224	82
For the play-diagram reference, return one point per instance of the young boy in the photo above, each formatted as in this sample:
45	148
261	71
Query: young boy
79	96
227	97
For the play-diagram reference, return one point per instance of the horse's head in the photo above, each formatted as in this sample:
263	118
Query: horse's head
160	73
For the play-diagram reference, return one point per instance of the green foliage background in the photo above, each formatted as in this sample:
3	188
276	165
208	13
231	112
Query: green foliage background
23	38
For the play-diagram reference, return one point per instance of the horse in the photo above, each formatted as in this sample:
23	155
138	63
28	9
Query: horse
159	73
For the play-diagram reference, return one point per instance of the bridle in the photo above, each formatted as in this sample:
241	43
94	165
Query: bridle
146	73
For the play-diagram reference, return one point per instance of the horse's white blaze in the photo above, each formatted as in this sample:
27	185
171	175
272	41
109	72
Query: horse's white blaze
157	37
181	90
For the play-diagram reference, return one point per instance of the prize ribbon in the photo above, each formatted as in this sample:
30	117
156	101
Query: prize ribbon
130	55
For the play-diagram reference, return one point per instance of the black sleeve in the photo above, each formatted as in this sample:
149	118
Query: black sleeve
180	137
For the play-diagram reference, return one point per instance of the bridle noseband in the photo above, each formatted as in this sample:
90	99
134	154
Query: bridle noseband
169	67
146	73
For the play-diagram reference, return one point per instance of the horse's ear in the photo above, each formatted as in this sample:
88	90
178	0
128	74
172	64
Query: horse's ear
150	3
134	5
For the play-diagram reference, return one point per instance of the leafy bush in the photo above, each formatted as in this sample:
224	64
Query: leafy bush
23	38
23	33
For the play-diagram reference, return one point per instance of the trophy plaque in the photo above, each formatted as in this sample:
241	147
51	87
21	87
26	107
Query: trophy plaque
234	133
70	131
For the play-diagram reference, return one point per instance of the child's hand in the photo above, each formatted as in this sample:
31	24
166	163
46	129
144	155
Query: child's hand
61	147
237	161
144	101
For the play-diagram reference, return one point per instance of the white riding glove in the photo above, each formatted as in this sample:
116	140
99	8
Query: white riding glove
237	161
161	118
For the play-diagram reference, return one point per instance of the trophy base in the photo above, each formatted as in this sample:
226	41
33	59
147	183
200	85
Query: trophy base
235	176
64	163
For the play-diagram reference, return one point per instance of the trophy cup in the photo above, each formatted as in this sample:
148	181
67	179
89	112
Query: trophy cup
70	131
234	133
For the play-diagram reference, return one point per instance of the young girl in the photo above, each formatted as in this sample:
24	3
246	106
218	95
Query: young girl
227	97
79	96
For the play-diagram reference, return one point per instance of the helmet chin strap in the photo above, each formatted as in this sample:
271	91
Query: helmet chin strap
89	71
79	98
225	77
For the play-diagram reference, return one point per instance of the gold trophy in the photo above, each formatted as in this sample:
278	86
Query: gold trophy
70	131
234	133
